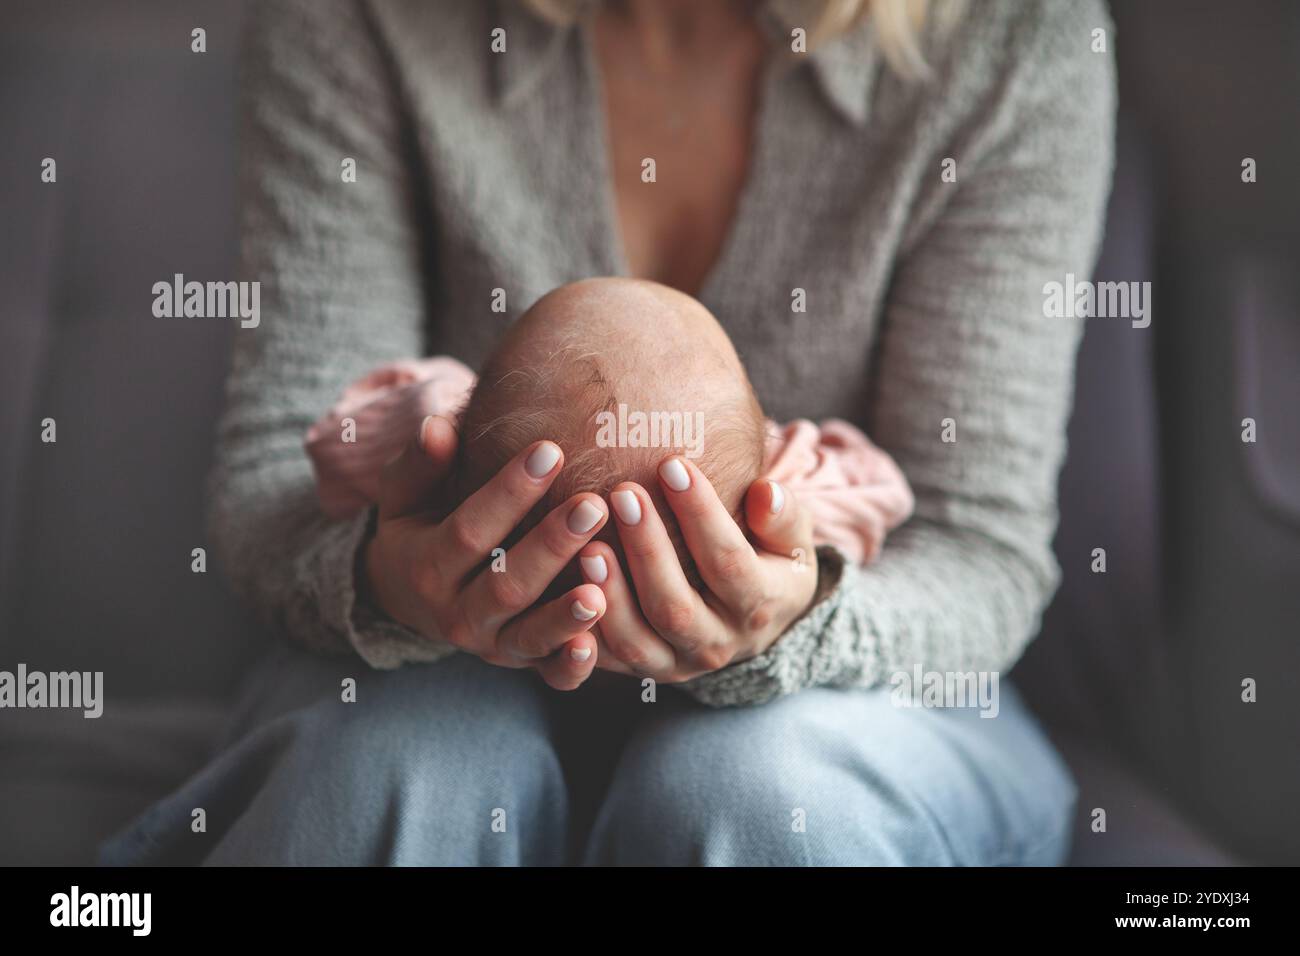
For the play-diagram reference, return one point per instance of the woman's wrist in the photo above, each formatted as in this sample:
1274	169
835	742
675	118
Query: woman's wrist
370	577
365	587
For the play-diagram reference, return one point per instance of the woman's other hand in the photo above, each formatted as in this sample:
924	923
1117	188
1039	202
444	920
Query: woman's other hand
669	630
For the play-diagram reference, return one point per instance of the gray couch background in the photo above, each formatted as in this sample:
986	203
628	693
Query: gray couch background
1137	673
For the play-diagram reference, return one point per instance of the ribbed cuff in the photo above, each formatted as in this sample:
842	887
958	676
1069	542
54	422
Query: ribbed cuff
789	664
382	642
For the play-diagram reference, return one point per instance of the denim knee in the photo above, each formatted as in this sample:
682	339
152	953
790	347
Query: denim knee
725	789
446	764
830	777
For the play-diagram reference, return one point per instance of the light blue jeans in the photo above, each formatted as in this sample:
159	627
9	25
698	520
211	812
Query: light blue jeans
456	763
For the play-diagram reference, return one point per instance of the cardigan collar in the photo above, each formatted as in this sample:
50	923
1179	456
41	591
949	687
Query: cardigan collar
845	68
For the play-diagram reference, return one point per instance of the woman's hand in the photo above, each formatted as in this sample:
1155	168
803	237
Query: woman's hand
756	593
432	575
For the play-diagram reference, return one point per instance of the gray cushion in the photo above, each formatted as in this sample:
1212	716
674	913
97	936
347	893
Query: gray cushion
68	782
1142	827
96	531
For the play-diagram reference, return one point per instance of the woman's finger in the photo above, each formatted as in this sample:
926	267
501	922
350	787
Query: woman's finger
605	659
495	596
409	480
570	666
671	606
778	523
540	632
624	635
723	555
467	536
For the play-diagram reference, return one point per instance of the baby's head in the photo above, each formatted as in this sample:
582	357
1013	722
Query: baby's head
620	373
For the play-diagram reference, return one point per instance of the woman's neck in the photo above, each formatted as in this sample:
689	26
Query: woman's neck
672	28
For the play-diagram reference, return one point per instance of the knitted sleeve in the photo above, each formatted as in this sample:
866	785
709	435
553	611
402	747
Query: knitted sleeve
973	386
338	258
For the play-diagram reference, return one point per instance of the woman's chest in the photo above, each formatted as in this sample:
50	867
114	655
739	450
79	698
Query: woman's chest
679	132
788	238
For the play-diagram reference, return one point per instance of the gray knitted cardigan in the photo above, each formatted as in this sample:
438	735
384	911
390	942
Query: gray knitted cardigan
475	171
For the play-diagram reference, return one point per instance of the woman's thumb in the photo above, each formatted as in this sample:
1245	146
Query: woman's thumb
409	480
779	525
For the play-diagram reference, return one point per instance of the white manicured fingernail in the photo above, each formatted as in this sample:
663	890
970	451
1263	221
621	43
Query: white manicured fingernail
581	612
778	498
542	460
675	475
580	654
584	517
627	507
594	568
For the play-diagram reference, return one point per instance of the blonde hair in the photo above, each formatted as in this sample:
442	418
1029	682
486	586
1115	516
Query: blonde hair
898	24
